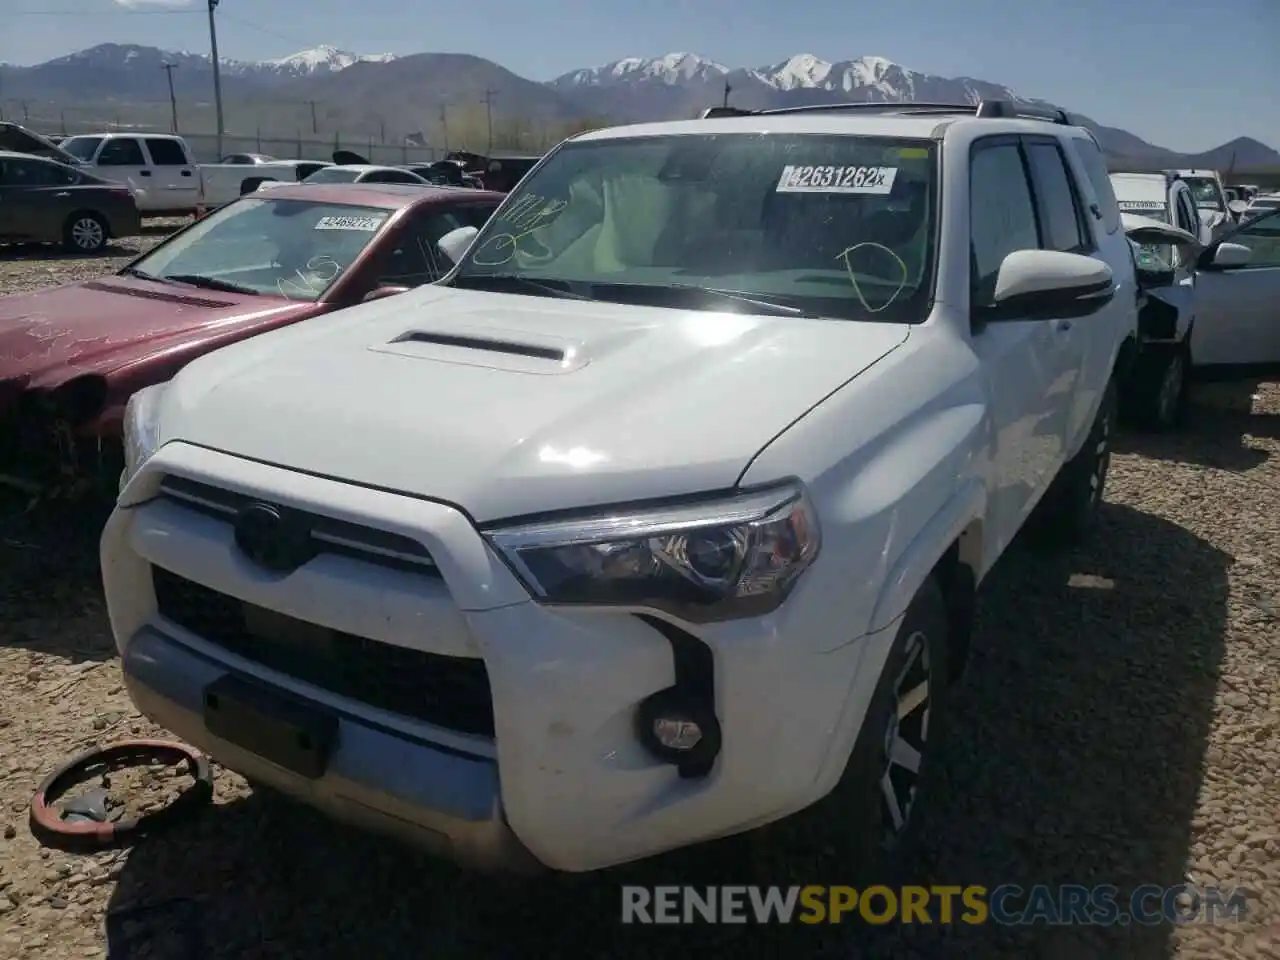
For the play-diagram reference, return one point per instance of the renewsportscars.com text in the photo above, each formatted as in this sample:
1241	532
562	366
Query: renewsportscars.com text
1008	905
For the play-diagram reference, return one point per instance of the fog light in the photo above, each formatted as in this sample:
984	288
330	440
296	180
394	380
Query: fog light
680	729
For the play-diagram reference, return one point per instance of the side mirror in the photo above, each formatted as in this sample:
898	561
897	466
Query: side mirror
1048	285
1231	255
379	293
454	243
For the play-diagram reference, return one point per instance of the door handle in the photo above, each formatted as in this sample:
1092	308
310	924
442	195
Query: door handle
62	194
186	173
144	173
1062	326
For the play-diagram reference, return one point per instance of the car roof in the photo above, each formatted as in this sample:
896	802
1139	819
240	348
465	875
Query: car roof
391	196
908	120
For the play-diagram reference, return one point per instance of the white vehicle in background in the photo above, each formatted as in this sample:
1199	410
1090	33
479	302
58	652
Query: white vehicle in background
360	173
661	516
1260	205
230	181
1211	200
159	167
165	175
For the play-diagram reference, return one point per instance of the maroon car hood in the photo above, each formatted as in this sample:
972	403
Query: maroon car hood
101	324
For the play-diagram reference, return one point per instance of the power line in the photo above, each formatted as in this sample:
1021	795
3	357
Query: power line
99	13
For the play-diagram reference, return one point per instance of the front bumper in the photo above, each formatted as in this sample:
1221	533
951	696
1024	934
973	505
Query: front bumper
563	781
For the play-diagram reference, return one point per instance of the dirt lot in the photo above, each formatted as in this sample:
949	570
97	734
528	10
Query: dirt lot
1119	724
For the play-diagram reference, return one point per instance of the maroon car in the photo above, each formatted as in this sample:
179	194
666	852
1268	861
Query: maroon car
71	356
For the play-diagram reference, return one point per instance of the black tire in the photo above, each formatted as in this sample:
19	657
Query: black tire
906	720
85	232
1069	511
1161	387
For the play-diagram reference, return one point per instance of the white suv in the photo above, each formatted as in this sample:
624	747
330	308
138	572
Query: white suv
661	516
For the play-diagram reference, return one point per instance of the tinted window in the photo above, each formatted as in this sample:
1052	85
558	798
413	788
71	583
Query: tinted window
1060	226
33	173
390	176
122	152
1184	214
476	214
1095	165
82	148
235	158
1002	217
416	259
166	153
835	226
1262	237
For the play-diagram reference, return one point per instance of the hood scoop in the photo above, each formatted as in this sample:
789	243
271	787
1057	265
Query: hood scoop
187	299
519	352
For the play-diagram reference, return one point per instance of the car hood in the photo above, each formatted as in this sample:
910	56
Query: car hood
100	324
510	405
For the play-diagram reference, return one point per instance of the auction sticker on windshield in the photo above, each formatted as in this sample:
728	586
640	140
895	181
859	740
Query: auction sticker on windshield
1140	205
365	224
871	180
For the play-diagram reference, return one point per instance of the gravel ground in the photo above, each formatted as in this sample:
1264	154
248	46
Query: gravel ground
1119	724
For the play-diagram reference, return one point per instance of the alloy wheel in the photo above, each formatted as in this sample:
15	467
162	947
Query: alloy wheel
87	233
906	736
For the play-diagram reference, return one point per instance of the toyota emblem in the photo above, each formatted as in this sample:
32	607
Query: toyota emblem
271	539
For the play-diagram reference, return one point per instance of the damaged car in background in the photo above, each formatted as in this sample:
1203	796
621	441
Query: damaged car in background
1207	312
71	356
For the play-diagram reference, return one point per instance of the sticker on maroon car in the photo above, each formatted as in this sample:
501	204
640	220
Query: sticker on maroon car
365	224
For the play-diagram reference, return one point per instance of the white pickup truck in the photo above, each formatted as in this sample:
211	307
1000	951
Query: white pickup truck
166	179
662	515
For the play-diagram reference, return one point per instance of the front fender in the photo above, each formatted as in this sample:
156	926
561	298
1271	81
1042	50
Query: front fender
961	513
909	466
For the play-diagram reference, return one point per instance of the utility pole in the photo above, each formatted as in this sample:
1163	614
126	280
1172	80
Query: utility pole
488	106
26	114
727	90
315	124
168	68
382	131
217	73
444	126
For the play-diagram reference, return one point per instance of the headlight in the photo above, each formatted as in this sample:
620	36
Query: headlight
141	429
710	561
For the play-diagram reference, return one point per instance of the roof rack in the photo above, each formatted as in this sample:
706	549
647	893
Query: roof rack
1008	109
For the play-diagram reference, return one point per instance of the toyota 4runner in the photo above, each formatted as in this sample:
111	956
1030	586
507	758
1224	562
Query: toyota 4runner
660	517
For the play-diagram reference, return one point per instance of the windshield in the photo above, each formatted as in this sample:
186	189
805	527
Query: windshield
291	248
333	175
821	225
1205	192
82	148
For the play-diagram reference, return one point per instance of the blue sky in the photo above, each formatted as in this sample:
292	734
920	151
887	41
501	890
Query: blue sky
1126	63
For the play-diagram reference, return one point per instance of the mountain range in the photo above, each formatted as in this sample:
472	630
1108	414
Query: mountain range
394	96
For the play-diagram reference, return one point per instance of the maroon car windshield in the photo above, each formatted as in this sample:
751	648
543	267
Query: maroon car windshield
292	248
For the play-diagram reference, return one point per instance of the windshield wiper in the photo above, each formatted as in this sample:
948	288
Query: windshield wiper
677	294
210	283
141	275
514	283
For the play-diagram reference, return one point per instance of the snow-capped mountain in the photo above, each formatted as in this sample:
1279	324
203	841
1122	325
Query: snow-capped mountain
672	69
321	59
863	78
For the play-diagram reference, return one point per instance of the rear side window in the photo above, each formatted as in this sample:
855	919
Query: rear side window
1061	222
1002	215
122	152
166	153
1095	166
